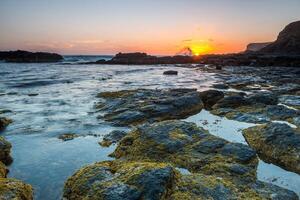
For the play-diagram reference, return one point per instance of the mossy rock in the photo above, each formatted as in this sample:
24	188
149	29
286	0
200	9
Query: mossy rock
133	107
15	189
276	143
4	122
5	148
3	170
67	136
121	180
129	180
186	145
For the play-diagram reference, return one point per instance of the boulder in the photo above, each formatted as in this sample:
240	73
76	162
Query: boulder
211	97
170	72
4	122
15	189
277	143
5	148
130	180
263	98
112	138
188	146
132	107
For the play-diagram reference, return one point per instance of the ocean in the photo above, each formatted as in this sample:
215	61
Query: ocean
50	99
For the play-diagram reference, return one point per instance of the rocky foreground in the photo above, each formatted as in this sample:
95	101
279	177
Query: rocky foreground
10	188
164	158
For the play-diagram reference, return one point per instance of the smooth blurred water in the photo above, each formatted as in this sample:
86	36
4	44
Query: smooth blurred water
64	103
47	100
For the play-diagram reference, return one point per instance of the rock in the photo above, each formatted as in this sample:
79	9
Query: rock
288	41
263	98
170	72
290	100
15	189
33	94
185	145
113	137
4	122
118	180
211	97
253	47
5	148
132	107
67	136
29	57
3	170
231	102
220	86
280	112
5	111
276	143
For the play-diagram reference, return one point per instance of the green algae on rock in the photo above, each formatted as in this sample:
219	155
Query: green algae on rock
3	170
4	122
67	136
15	189
186	145
132	107
5	148
131	180
112	138
276	143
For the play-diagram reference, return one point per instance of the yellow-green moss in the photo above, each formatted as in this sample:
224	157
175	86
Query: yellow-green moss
15	189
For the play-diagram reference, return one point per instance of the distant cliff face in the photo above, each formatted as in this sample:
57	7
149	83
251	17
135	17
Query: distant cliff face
253	47
287	43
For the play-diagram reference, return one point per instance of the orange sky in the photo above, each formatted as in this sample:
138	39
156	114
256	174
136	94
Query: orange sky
156	27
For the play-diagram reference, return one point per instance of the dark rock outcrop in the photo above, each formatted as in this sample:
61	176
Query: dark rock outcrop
211	97
4	122
170	72
5	148
29	57
287	43
132	107
276	143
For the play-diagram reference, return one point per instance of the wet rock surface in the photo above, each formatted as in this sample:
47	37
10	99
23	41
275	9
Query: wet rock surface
3	170
276	143
5	148
170	72
15	189
132	107
112	138
211	97
67	136
4	122
148	161
185	145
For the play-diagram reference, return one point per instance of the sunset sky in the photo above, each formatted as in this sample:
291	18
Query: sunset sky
160	27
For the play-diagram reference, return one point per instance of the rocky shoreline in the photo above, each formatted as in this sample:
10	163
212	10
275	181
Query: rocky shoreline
164	158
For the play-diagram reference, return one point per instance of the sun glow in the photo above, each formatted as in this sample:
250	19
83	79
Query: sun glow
200	49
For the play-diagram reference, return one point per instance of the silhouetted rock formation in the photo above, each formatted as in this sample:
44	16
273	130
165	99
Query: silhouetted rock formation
145	59
287	43
29	57
253	47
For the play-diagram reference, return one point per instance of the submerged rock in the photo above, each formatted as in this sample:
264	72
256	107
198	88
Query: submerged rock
15	189
5	148
67	136
4	122
123	180
170	72
185	145
111	138
132	107
276	143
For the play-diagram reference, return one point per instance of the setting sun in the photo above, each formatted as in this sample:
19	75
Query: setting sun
199	49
